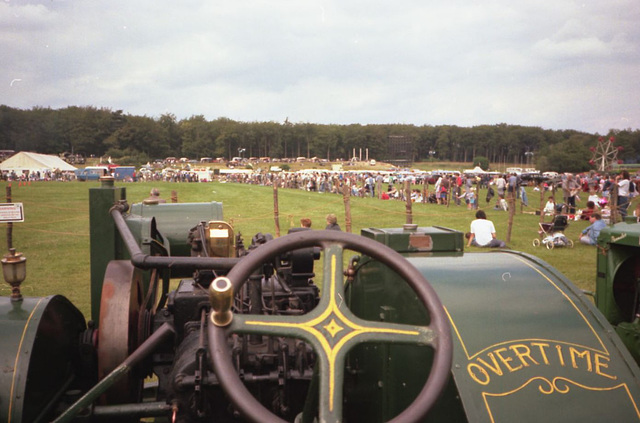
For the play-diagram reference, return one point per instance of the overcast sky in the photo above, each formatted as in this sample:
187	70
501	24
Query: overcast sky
557	64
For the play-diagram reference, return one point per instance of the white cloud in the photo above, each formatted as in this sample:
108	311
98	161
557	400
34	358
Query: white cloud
537	63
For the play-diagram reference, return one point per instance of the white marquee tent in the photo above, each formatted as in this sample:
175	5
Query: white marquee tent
476	171
34	162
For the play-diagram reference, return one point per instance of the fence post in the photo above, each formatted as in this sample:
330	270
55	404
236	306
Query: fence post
512	212
346	193
541	186
407	197
276	212
9	224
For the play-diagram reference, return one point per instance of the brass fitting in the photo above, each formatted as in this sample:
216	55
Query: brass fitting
221	299
14	269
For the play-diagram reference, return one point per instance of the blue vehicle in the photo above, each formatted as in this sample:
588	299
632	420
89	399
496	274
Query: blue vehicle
91	173
125	173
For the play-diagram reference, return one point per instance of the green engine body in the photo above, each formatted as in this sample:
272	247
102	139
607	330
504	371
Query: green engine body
618	281
39	355
527	343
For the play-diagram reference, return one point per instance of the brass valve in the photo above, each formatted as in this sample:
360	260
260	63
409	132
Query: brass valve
221	299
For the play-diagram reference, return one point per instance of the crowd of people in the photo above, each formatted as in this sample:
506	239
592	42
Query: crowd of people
600	192
577	195
38	175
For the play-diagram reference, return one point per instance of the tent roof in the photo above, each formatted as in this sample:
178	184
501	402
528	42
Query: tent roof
34	162
476	170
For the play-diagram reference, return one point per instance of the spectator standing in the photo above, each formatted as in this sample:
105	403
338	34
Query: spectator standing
501	185
470	197
437	188
606	185
623	192
379	181
512	184
594	181
523	196
457	189
371	186
445	185
570	189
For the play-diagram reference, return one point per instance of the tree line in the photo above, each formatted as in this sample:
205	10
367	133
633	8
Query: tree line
133	139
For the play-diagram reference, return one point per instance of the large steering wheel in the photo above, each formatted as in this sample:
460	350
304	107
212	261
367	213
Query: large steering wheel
331	328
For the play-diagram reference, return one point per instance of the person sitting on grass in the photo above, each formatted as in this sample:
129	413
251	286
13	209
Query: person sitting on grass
550	207
586	213
590	234
483	233
305	223
332	222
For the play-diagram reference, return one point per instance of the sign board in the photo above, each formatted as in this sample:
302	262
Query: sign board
11	212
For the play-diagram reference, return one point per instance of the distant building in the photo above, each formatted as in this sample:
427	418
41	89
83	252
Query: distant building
400	152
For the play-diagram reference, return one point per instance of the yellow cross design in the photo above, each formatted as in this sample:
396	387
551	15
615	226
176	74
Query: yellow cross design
333	328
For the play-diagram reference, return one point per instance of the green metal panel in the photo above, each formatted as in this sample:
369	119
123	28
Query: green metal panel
106	244
527	345
175	220
37	354
144	231
617	245
621	234
412	238
618	281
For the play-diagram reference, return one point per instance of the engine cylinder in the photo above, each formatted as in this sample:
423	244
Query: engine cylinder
39	354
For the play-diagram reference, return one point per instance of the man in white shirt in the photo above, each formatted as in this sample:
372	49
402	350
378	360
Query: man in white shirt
623	192
483	233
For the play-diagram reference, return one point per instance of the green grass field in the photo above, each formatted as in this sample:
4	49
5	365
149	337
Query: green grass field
55	234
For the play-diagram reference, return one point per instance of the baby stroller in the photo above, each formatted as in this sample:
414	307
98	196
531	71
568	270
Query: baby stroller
552	234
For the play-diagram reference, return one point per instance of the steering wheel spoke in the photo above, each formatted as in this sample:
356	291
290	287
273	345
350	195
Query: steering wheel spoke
397	334
333	275
288	326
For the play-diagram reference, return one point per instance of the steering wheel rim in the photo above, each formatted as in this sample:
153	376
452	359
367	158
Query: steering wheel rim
437	334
